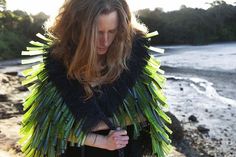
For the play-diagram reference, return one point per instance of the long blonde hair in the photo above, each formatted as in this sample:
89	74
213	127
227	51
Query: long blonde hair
75	31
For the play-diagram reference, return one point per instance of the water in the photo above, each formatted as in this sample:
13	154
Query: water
13	66
216	63
218	57
201	81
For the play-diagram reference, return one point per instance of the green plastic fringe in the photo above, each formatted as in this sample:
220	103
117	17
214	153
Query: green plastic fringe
48	124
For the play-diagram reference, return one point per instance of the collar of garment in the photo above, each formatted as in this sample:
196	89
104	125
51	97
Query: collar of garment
106	102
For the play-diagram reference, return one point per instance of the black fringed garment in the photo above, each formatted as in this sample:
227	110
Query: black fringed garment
57	113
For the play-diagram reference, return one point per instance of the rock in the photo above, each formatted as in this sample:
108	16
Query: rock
22	88
12	73
192	118
19	107
214	139
2	115
5	80
181	88
3	98
188	100
203	129
176	127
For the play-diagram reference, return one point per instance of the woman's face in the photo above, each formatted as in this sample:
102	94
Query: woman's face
107	30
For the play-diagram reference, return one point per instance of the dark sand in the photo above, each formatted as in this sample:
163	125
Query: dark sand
186	97
210	96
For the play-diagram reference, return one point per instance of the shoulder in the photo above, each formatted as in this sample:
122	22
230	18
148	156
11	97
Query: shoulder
140	46
139	37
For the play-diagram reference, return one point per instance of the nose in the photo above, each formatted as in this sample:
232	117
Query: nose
104	40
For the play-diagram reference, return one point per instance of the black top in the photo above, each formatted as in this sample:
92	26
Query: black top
106	102
134	148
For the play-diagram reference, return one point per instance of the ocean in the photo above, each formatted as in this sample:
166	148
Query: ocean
201	81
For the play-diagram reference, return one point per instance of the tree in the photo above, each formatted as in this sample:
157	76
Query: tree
216	3
17	28
192	26
183	7
3	4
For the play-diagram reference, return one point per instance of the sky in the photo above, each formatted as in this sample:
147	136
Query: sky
51	7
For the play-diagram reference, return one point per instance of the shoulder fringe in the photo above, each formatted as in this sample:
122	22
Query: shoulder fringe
48	124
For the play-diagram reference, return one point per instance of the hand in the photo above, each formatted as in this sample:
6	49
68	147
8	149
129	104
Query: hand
116	139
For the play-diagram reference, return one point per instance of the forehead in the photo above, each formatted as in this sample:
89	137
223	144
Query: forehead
108	21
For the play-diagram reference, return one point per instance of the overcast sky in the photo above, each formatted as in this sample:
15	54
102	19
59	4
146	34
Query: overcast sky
51	6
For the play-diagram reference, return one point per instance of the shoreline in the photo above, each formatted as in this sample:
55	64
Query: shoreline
184	101
199	94
223	81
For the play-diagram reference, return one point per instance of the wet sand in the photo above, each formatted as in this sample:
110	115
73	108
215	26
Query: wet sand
189	93
205	103
11	98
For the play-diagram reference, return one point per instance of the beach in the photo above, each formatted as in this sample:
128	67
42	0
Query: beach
208	118
201	83
200	89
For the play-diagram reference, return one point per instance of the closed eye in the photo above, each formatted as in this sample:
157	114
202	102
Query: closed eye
113	31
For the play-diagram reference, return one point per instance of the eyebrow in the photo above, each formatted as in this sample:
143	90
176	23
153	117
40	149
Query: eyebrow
113	29
109	30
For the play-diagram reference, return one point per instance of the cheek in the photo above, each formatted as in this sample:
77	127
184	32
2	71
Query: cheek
112	37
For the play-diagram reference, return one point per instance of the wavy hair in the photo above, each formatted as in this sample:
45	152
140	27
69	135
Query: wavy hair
75	32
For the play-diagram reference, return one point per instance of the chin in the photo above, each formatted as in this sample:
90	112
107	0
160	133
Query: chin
101	52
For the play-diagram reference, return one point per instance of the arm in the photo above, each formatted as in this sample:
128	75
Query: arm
102	126
116	139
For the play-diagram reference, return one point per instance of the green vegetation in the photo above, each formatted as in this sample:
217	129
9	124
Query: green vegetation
3	4
192	26
17	28
185	26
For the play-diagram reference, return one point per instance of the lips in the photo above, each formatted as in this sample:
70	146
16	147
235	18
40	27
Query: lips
102	49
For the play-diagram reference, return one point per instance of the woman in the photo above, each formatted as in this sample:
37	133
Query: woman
96	92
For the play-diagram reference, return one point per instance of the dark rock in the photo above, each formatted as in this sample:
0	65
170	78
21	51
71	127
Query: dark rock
181	88
4	80
3	98
12	73
188	100
2	136
17	148
192	118
214	139
2	115
19	107
203	129
22	88
176	127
